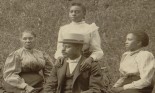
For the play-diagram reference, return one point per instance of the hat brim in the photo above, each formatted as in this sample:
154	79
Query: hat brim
71	42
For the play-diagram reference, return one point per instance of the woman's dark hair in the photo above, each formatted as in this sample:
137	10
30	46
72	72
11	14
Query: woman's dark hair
142	37
28	31
80	5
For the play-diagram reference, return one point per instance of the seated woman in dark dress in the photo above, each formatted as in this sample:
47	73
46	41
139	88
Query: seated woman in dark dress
136	66
23	67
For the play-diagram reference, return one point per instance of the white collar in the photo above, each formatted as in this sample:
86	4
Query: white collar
31	51
75	60
134	52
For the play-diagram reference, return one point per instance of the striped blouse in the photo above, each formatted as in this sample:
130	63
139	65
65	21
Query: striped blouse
23	60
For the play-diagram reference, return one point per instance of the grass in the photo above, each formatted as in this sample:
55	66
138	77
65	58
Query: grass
114	17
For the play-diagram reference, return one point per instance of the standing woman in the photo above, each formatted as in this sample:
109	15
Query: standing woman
22	68
136	66
92	47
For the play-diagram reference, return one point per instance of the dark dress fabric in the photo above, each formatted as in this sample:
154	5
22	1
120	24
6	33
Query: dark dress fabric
32	79
134	78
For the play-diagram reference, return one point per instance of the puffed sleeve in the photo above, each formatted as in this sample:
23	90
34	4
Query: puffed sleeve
48	65
145	61
122	77
59	45
95	43
11	71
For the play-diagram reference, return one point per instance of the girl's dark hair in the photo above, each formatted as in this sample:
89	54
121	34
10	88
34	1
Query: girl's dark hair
28	31
80	5
142	37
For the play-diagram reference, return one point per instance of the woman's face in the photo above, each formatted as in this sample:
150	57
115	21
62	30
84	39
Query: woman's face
28	40
132	43
76	13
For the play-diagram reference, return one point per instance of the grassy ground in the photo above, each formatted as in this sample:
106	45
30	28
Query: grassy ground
114	17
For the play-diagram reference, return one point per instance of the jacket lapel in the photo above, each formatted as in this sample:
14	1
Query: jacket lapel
77	70
61	74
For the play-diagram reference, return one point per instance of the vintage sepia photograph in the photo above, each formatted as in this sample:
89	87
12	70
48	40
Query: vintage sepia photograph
77	46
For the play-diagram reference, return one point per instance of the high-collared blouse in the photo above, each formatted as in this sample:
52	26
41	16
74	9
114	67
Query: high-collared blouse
139	63
23	60
91	38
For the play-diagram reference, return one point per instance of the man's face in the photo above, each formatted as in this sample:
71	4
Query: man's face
70	50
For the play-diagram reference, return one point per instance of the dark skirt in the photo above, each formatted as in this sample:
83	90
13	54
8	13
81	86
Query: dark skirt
130	79
32	79
144	90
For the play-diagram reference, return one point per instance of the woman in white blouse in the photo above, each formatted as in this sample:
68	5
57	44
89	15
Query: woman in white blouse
22	67
136	66
92	48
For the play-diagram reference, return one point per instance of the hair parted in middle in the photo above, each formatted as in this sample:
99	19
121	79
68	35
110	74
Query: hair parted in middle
80	5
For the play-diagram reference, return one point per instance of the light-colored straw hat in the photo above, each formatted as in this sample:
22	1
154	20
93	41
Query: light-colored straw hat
73	38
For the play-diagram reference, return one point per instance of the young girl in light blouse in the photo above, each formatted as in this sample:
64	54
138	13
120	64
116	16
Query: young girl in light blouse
22	67
136	66
92	48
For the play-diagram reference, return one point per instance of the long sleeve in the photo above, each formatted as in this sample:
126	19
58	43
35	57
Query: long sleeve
52	82
145	61
95	44
59	45
122	77
95	84
120	81
12	68
48	65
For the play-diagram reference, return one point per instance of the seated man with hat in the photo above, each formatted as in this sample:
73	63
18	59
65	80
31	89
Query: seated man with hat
68	78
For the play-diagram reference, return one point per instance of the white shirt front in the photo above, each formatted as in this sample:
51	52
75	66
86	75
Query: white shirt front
73	64
91	38
138	63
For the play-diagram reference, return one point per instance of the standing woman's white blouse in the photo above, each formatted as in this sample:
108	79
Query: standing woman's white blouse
91	36
138	63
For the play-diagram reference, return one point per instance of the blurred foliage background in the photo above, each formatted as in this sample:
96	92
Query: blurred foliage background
114	17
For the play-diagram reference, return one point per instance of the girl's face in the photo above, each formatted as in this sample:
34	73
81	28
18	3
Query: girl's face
132	43
28	40
76	13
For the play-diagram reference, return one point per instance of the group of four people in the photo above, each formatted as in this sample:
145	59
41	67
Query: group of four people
77	69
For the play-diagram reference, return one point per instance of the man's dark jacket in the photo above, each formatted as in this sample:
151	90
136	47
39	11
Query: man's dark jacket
88	81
